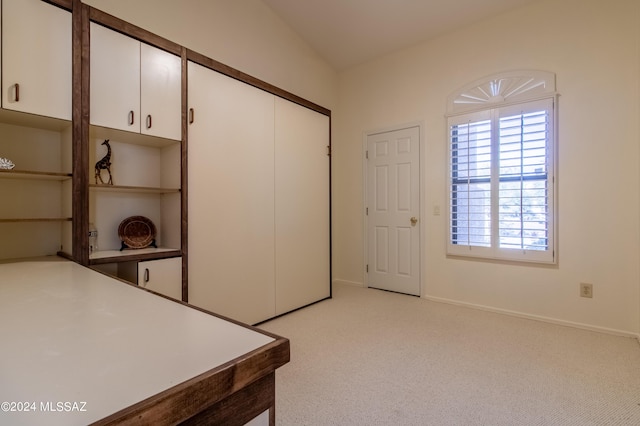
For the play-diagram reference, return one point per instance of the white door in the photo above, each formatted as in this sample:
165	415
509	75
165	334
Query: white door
160	93
393	210
36	58
163	276
231	197
115	80
301	206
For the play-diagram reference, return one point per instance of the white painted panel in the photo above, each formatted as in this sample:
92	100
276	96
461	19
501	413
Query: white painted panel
403	187
382	249
115	79
382	188
160	93
382	148
404	250
301	205
36	54
403	146
231	197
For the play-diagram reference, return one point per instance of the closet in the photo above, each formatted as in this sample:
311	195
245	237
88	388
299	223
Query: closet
258	199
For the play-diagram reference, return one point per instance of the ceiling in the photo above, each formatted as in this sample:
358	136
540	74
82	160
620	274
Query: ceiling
349	32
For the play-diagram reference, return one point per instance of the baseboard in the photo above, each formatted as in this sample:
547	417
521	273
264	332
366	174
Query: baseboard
537	317
346	282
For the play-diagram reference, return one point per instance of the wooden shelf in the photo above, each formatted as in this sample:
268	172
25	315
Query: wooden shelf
32	220
131	255
32	120
133	138
132	189
29	174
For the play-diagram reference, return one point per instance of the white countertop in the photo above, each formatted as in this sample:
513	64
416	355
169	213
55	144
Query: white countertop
72	335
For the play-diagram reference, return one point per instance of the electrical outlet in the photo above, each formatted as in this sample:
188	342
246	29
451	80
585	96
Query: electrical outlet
586	290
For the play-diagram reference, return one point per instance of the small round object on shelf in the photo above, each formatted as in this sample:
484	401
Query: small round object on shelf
137	232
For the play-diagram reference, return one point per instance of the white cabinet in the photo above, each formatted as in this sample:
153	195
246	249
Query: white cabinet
163	276
231	205
258	200
135	87
36	58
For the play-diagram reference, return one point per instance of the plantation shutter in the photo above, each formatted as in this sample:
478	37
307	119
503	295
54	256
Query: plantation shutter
501	182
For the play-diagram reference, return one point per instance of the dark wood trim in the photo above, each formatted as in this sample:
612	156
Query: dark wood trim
65	4
246	78
241	407
210	390
184	179
80	132
330	210
130	30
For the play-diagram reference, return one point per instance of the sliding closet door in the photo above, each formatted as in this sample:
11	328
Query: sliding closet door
301	205
231	203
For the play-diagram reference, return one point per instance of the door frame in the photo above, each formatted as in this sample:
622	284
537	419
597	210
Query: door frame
421	196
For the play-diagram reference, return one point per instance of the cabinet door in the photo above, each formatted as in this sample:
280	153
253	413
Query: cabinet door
231	206
36	58
160	93
163	276
115	80
301	206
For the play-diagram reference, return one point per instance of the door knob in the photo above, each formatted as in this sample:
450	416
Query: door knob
414	220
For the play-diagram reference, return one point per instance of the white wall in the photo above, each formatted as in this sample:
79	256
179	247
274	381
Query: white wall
592	46
245	35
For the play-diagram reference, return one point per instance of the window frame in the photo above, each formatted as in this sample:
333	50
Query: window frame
493	110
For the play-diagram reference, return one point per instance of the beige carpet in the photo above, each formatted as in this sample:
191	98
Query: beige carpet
369	357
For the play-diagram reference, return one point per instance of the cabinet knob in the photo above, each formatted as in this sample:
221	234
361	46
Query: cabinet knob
16	92
191	115
131	118
147	275
149	121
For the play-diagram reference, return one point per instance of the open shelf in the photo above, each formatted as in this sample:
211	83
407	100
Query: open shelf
132	189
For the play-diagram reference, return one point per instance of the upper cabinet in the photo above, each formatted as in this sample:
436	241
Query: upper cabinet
36	58
135	87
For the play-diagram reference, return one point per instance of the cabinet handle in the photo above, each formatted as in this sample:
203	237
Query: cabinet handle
149	121
17	93
131	118
146	275
191	115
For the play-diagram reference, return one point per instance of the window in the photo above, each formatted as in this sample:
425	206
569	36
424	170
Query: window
501	181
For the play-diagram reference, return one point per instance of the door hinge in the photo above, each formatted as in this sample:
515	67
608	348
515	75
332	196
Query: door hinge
367	211
329	150
366	154
367	268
